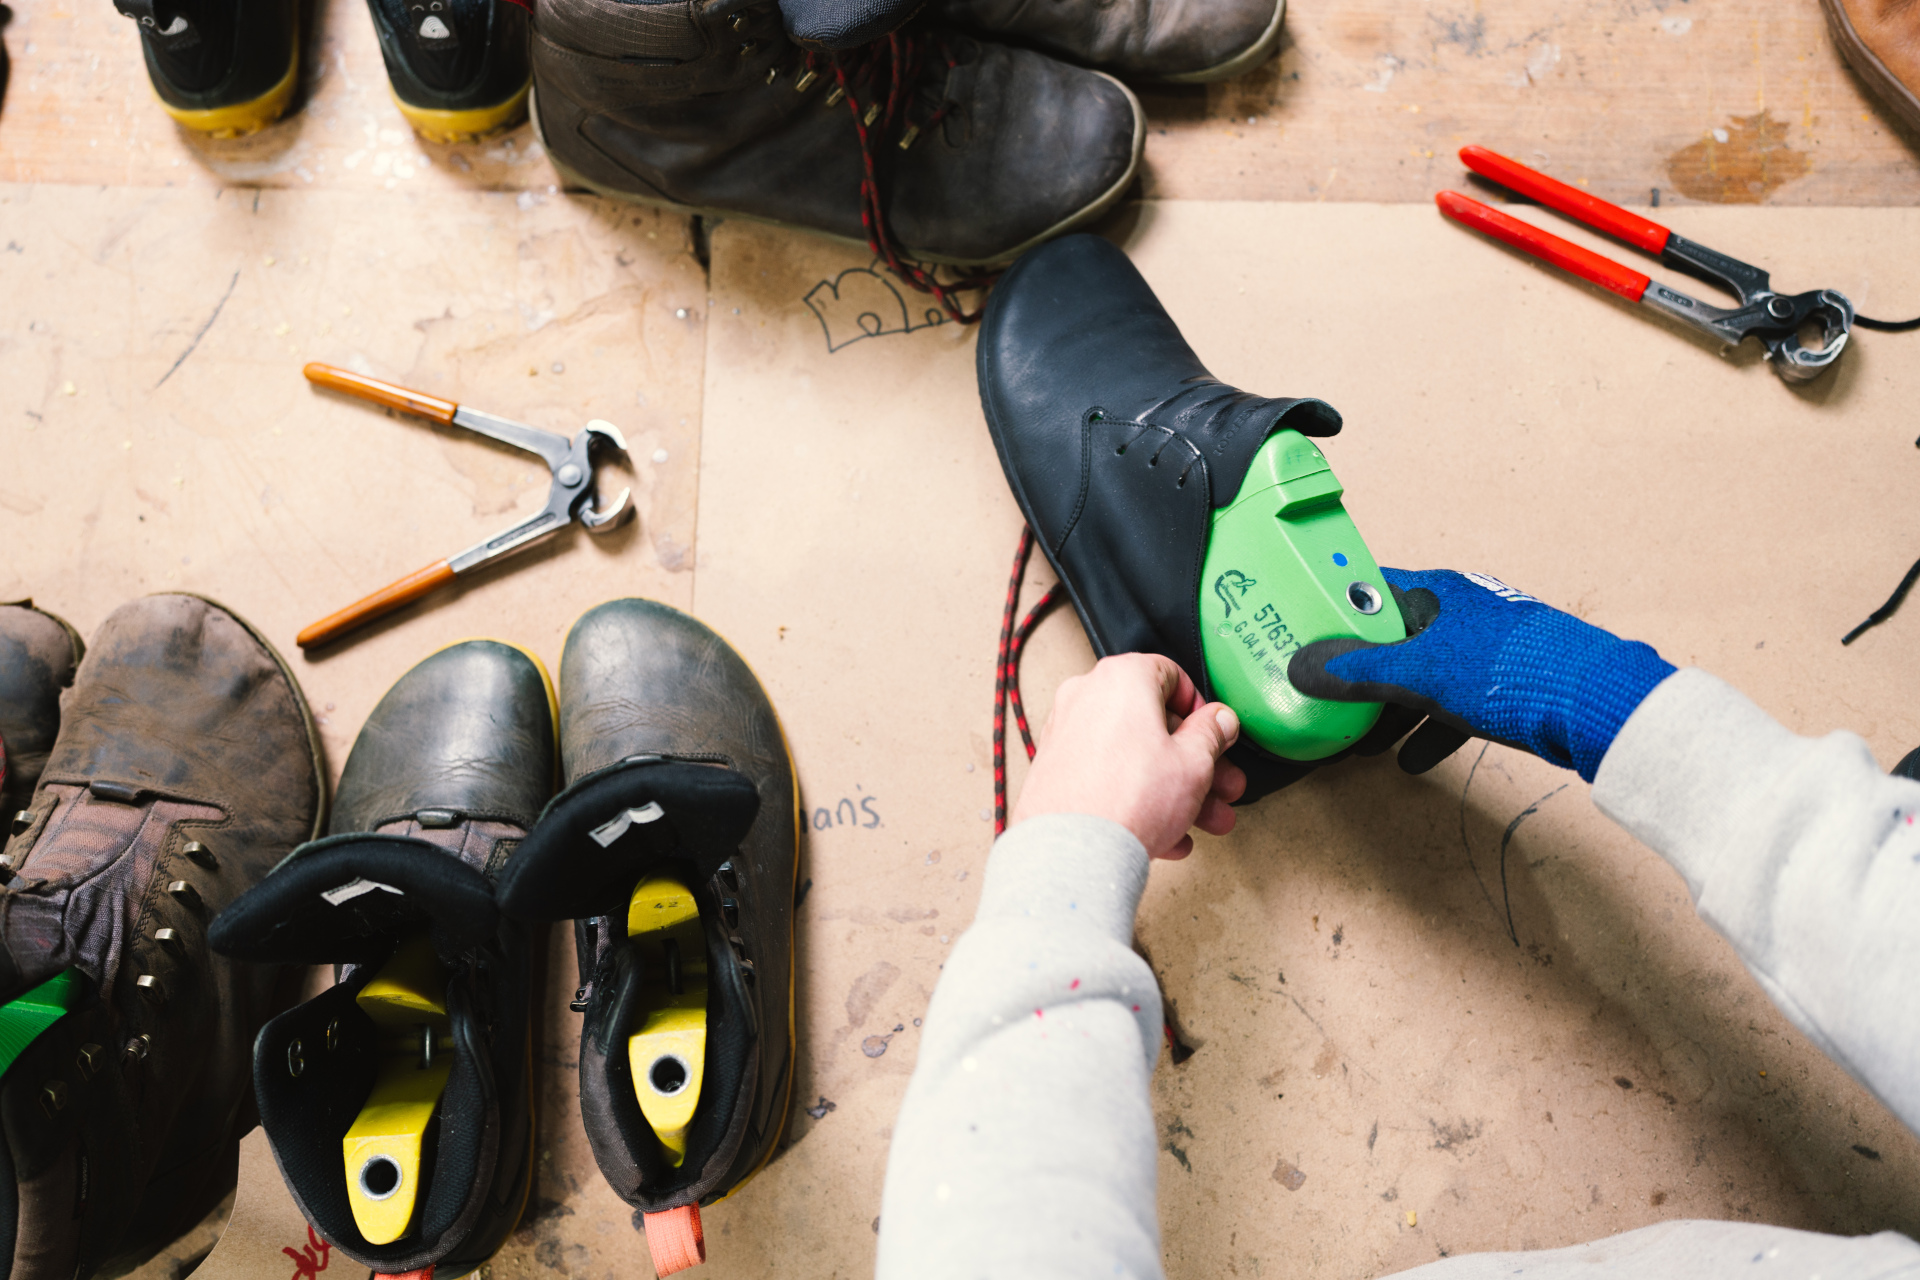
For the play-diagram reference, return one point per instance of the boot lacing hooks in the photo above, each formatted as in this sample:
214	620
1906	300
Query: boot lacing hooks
874	122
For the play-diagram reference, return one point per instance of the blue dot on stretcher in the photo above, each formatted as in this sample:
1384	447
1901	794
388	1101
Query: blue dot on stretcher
1340	558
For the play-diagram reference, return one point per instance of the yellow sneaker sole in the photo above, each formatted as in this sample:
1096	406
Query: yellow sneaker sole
465	126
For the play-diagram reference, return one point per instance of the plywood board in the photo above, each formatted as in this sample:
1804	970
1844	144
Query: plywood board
1382	1071
160	435
1367	101
1644	101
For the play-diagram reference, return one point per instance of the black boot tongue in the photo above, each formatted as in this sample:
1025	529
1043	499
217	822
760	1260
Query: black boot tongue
344	900
603	833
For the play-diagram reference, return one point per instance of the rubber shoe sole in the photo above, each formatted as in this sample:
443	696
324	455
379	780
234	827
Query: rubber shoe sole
470	125
1246	60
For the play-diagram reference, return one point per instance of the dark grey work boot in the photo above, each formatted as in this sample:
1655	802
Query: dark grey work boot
185	767
709	107
679	782
1173	41
432	1006
38	654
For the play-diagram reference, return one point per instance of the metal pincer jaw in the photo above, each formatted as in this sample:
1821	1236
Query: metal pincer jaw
602	519
1831	311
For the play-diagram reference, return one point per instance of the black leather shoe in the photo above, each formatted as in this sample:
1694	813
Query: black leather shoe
1119	446
676	768
711	108
433	1000
38	655
458	68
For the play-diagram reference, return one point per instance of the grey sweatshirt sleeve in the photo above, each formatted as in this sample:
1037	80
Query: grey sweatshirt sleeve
1803	852
1025	1145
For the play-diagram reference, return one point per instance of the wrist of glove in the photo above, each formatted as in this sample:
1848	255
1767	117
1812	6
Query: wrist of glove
1484	660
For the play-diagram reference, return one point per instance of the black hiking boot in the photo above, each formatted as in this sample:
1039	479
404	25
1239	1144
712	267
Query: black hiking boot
185	767
220	67
711	108
397	1101
673	849
458	68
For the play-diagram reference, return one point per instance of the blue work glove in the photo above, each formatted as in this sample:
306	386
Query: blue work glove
1486	661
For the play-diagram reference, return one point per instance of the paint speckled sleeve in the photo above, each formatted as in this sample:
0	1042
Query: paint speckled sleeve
1025	1145
1803	852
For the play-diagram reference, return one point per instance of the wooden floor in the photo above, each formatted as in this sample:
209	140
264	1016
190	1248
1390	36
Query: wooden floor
1711	101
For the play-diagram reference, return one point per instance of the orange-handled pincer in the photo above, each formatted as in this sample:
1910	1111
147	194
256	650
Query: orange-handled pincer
359	384
570	498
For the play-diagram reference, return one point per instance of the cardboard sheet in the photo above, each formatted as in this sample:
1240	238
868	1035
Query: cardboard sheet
160	437
1381	1070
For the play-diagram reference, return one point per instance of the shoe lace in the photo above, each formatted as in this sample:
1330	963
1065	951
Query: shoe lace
880	82
1006	675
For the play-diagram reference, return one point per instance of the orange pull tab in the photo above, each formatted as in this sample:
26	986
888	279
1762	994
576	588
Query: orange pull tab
675	1240
424	1273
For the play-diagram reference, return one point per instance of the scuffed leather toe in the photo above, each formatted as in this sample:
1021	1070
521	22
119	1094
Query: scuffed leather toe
470	730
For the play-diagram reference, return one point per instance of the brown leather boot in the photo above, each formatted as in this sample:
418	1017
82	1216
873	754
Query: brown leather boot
38	653
1173	41
709	107
186	766
1880	39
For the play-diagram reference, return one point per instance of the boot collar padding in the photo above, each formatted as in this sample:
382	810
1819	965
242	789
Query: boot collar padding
344	899
600	836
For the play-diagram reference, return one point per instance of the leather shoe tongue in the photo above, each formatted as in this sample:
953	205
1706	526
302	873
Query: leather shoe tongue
346	899
602	834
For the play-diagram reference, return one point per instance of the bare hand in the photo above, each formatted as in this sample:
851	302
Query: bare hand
1132	741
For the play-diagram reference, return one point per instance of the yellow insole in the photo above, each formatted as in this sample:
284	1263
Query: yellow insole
667	1051
407	1002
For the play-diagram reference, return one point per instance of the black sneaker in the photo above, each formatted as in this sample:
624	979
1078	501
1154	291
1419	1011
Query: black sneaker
220	67
397	1101
458	68
673	849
